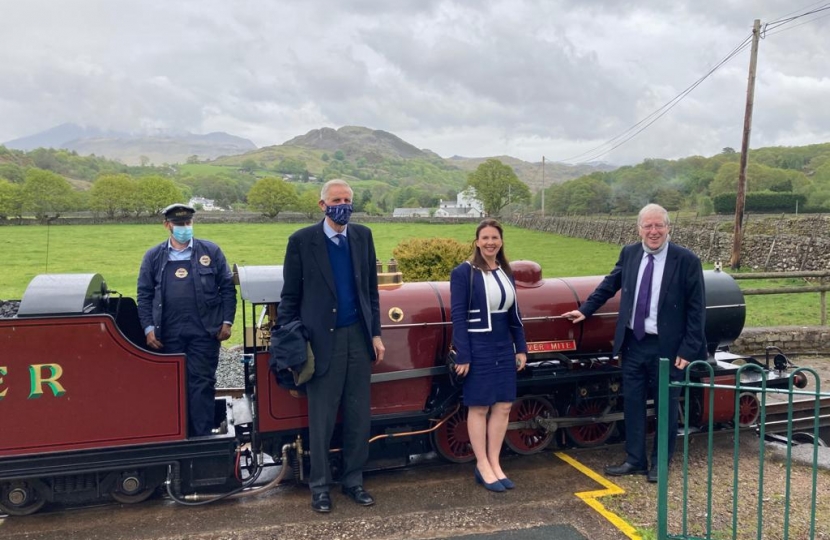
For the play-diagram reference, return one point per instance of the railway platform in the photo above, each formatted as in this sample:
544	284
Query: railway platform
433	501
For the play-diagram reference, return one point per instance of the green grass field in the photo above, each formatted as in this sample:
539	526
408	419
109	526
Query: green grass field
115	252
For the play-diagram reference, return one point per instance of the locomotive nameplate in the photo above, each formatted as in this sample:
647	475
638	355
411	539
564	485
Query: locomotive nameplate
550	346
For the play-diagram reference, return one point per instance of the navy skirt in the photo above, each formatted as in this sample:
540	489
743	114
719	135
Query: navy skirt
492	375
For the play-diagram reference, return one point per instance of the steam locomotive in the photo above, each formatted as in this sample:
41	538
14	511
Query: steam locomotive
88	412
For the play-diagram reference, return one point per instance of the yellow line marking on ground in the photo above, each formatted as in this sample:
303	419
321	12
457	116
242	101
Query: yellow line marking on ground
591	497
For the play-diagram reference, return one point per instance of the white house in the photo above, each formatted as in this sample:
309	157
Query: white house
467	198
466	205
207	204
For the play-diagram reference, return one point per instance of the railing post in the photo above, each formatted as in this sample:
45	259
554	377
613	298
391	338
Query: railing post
663	450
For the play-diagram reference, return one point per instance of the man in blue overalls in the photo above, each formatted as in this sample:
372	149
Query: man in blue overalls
186	304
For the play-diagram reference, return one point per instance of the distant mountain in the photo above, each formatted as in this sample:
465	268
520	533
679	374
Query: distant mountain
374	146
129	148
58	136
356	141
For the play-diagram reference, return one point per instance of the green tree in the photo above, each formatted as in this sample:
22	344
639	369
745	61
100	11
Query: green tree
307	203
497	186
339	155
224	190
271	196
291	166
46	194
249	165
583	195
45	159
372	209
705	206
112	194
144	160
9	199
153	193
13	173
758	178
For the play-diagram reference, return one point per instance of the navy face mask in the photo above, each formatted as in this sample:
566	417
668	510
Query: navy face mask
339	213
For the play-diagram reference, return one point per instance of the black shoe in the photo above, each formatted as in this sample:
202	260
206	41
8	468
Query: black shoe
623	470
652	475
321	502
359	495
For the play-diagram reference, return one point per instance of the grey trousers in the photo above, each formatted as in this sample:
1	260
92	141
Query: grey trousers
347	382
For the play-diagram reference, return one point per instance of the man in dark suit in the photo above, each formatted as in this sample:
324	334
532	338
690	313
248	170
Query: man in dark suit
331	286
662	310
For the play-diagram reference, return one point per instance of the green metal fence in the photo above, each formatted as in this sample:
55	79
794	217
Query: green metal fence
707	515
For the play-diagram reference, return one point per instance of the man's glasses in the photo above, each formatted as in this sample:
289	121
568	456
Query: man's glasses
654	227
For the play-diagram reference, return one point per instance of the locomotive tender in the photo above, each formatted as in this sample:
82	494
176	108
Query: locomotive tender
89	412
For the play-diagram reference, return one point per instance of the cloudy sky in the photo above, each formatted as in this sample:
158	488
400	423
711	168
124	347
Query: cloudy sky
553	78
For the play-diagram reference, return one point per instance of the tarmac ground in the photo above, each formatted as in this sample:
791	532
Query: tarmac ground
431	501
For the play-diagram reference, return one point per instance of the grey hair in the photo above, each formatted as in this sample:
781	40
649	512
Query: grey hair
653	209
335	182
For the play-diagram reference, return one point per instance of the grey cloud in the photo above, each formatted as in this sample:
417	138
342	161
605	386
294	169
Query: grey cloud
484	77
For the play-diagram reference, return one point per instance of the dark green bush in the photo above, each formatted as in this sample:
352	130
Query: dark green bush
761	201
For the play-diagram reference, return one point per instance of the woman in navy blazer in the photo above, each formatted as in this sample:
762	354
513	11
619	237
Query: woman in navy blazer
490	341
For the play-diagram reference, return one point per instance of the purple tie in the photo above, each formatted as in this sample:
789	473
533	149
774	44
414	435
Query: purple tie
643	300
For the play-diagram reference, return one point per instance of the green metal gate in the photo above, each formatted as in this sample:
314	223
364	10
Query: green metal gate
707	516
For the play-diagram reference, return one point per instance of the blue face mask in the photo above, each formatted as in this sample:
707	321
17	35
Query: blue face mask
183	233
339	213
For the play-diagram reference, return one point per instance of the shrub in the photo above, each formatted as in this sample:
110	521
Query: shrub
760	201
430	259
705	206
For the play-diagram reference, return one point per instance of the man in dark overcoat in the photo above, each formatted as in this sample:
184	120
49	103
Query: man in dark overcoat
331	286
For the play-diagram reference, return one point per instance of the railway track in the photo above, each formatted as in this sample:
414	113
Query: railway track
804	419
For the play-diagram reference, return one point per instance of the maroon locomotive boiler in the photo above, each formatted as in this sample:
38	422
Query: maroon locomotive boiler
89	412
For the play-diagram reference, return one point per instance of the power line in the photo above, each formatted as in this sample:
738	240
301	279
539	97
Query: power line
780	17
765	33
633	131
785	20
639	127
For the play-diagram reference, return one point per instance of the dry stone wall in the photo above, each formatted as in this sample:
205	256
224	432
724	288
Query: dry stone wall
790	339
770	243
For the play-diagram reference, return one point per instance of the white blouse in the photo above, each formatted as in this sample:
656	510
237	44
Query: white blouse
500	295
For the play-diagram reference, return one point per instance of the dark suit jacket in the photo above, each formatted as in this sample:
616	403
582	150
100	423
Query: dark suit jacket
309	293
681	309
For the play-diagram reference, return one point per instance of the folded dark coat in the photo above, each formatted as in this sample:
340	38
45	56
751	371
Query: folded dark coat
290	350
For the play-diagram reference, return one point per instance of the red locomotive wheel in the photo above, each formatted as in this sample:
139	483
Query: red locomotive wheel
749	409
589	435
526	441
451	440
22	498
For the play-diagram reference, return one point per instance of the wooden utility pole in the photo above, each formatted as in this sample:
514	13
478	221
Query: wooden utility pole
543	186
738	236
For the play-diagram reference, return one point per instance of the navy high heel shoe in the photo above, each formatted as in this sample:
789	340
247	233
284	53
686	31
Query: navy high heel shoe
493	486
507	483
